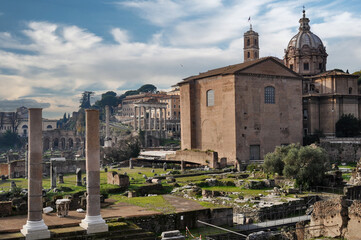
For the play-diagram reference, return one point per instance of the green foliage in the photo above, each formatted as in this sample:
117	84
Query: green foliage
10	140
348	126
125	149
85	99
147	88
313	138
307	165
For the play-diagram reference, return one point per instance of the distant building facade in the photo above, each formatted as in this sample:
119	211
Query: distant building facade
242	111
18	122
327	95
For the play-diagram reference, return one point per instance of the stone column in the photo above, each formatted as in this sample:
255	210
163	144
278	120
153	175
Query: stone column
53	175
26	161
93	221
149	118
35	227
144	122
107	142
135	118
155	119
182	165
139	118
160	119
165	118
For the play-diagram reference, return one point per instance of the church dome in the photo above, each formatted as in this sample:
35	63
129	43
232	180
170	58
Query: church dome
305	38
305	53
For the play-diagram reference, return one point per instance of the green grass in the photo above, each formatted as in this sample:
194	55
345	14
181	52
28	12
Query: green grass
155	203
346	176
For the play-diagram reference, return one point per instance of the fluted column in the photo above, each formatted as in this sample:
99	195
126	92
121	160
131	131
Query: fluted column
93	221
35	227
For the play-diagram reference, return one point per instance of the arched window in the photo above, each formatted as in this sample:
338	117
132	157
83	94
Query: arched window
25	126
210	98
255	55
350	90
49	127
248	54
248	42
255	42
269	95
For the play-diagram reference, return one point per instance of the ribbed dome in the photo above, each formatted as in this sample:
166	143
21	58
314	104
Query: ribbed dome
305	38
305	53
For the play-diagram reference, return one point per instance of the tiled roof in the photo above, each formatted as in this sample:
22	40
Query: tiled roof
334	73
231	69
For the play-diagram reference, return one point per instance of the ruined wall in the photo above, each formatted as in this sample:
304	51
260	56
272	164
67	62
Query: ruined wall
335	218
353	226
195	156
67	166
4	169
342	149
160	223
116	179
332	215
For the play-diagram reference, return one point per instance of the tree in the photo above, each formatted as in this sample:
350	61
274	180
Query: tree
147	88
307	165
109	98
85	99
348	126
124	150
358	73
10	140
14	121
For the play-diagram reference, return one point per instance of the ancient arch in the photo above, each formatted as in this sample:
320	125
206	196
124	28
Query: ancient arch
46	144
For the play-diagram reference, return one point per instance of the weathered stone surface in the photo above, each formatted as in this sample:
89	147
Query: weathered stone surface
5	208
118	179
331	215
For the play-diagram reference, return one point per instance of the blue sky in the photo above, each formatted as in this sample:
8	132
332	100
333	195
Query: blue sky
52	50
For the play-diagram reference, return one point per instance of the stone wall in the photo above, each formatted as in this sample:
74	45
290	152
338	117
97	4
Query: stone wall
5	209
342	149
116	179
14	169
334	218
4	169
208	158
67	166
179	221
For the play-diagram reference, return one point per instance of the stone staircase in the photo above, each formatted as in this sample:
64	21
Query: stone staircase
117	230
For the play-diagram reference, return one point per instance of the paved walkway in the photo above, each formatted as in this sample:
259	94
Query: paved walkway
15	223
273	223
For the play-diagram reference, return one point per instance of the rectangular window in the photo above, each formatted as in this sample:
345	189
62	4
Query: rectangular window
320	66
291	67
254	152
306	66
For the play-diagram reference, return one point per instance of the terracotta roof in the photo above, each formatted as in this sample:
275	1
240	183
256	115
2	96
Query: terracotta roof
232	69
334	73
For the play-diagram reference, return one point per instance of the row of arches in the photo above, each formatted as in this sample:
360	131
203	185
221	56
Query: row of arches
61	143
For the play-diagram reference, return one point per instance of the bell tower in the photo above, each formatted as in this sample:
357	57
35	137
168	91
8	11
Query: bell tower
251	45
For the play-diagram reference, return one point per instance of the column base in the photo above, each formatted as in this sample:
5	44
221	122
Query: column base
35	230
94	224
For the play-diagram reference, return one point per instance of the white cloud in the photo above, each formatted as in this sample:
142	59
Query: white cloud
61	61
121	36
